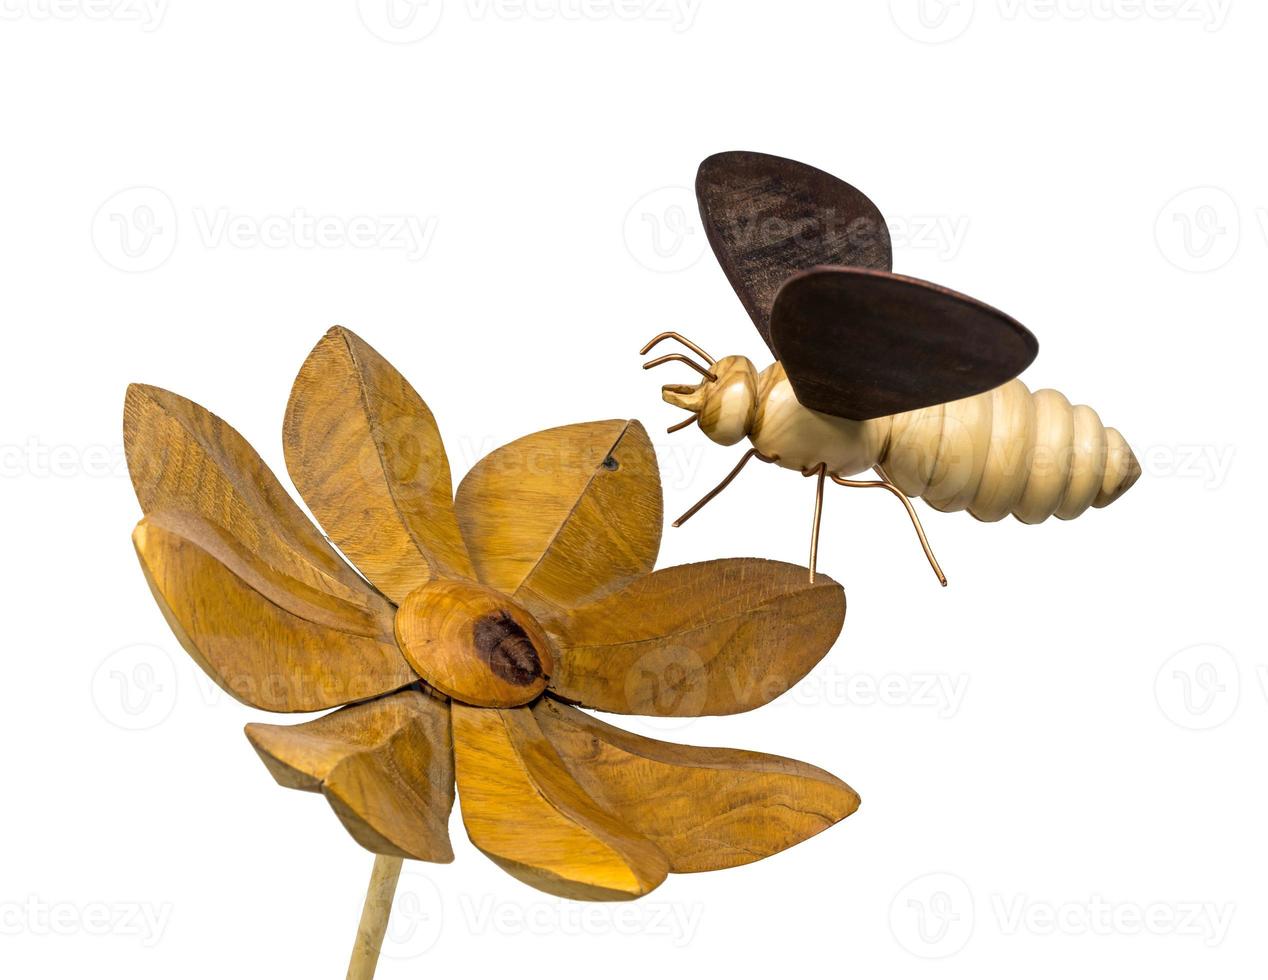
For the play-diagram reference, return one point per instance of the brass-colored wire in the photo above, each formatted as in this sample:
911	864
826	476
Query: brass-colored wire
885	484
726	482
675	335
677	426
683	359
822	472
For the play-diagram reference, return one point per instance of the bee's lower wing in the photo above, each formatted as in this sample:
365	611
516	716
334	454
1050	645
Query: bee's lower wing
713	638
704	808
769	218
860	344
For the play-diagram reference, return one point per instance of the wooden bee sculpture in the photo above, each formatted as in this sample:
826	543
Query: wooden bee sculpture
875	370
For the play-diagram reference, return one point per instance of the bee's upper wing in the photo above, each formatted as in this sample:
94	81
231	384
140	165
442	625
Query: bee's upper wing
768	218
859	344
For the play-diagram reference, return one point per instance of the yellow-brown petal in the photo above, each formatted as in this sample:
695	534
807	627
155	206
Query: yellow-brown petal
713	638
366	456
704	808
522	807
183	458
385	766
563	517
270	640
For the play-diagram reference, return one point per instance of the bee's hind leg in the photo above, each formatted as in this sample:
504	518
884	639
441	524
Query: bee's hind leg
885	483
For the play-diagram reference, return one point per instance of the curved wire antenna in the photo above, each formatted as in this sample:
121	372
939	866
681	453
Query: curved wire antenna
682	359
885	484
678	426
675	335
726	482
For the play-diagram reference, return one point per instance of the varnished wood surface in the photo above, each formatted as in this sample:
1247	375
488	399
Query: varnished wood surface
366	456
562	517
269	640
1000	452
768	217
863	343
181	457
522	808
710	638
705	808
374	918
385	766
474	644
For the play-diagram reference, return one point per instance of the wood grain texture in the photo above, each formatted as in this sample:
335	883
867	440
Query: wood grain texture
713	638
366	456
563	517
375	914
523	809
705	808
768	217
474	644
183	458
271	641
385	766
862	343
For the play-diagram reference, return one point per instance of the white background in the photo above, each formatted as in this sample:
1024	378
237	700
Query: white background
1060	755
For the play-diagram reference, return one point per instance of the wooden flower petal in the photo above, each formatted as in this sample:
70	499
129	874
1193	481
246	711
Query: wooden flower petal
270	640
365	454
522	808
565	516
385	766
704	808
713	638
183	458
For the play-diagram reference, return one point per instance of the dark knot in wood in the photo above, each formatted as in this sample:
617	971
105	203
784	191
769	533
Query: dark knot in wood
506	648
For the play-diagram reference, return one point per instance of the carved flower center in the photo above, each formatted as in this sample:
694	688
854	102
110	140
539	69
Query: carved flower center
474	644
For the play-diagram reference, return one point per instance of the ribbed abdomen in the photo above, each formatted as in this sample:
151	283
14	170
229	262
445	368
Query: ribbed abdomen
1009	450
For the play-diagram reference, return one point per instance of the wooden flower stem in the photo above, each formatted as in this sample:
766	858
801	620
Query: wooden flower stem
374	916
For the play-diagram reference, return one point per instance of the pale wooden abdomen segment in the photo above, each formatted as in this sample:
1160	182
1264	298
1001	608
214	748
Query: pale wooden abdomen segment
1010	451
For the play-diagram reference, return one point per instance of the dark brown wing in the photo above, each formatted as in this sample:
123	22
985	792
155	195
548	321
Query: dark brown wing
859	344
768	218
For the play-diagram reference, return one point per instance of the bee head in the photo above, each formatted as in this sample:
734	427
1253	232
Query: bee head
725	405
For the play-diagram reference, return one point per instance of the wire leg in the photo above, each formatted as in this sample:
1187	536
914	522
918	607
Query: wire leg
814	530
726	482
884	483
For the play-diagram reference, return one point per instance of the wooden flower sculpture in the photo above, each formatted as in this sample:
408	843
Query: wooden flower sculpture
480	624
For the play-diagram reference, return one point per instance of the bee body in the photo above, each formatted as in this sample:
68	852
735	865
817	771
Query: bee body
1004	451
